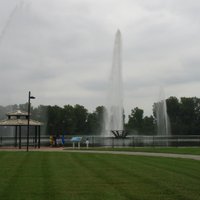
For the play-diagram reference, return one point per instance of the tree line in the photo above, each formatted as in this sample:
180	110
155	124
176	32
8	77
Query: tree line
184	115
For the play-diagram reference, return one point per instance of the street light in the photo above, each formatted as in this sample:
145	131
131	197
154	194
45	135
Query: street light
29	106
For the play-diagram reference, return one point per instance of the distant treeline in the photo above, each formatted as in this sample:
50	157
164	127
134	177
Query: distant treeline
184	114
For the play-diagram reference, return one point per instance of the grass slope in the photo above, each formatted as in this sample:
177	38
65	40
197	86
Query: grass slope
66	176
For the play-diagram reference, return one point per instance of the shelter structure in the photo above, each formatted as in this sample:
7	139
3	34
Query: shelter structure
19	119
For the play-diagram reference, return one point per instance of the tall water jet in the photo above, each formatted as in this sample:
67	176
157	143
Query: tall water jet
9	20
162	119
113	117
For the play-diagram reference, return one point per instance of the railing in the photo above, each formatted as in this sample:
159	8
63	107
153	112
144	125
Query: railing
98	141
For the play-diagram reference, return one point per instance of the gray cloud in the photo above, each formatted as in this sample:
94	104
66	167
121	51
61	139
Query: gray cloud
62	50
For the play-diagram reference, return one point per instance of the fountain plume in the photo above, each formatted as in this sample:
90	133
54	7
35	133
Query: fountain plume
163	123
113	117
9	20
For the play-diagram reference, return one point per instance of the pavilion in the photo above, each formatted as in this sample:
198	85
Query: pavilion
19	119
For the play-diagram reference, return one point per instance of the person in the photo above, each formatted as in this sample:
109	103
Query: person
63	140
51	140
58	140
54	141
87	143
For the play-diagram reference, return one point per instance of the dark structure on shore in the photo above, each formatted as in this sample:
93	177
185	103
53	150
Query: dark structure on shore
119	133
19	119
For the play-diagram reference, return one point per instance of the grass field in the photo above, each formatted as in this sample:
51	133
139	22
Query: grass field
176	150
66	176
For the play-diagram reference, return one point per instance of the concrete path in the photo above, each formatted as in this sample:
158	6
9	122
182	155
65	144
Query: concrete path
64	150
168	155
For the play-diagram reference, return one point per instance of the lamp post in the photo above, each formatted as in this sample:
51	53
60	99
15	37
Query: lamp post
29	106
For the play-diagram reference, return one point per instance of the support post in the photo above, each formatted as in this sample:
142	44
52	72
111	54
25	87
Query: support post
38	136
29	107
35	141
27	144
20	138
15	136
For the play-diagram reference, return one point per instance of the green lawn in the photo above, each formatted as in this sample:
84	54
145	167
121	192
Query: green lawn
66	176
177	150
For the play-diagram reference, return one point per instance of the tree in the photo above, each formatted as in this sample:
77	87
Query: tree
148	125
92	123
95	121
189	112
138	124
184	115
173	111
54	114
69	119
81	117
135	121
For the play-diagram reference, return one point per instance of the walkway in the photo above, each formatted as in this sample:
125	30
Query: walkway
61	149
168	155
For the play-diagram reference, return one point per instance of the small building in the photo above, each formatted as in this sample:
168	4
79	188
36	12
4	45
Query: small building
19	119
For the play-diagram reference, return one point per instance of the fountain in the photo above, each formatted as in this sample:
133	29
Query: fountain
113	116
162	119
10	19
17	8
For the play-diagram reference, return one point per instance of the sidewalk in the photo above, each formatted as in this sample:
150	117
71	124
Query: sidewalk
62	149
32	149
168	155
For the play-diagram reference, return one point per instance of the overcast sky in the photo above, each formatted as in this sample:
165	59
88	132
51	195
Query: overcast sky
61	50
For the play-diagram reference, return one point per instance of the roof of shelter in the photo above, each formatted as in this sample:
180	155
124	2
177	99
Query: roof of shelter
19	118
17	113
19	122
